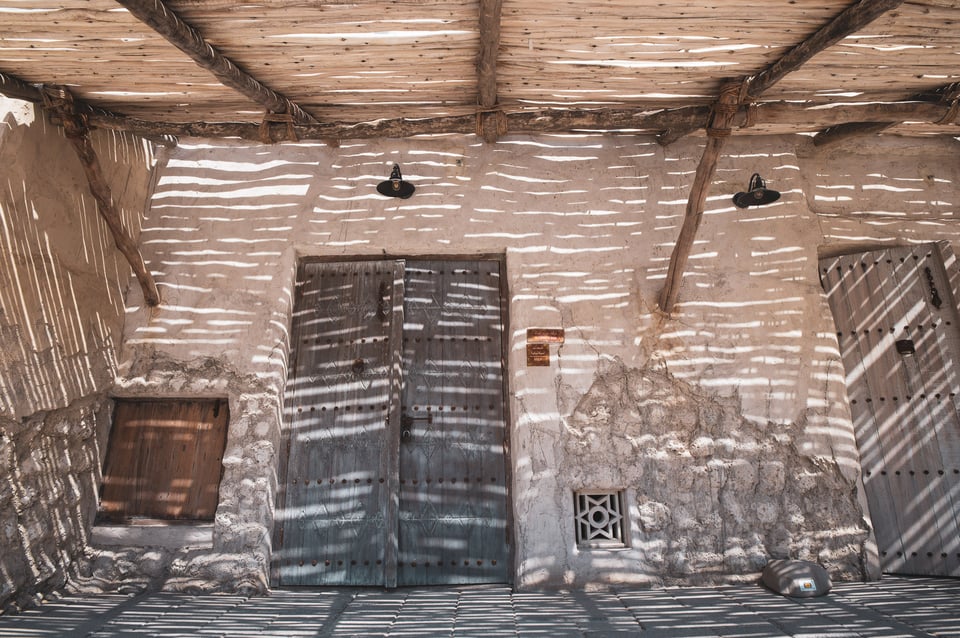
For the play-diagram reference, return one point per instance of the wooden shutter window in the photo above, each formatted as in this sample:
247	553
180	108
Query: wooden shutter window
164	460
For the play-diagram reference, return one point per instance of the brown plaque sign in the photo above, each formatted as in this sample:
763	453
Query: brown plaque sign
538	354
544	335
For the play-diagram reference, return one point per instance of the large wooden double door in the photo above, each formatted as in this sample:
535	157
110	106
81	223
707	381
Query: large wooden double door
897	327
394	471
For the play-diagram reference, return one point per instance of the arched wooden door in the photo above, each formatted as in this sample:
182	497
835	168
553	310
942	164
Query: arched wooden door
394	467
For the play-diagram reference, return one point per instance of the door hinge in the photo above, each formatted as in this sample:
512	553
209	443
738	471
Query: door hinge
934	294
280	541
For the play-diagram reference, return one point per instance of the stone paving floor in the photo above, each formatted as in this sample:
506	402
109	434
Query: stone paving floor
889	608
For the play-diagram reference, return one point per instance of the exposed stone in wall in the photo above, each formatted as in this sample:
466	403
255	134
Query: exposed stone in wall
133	570
48	483
239	559
714	494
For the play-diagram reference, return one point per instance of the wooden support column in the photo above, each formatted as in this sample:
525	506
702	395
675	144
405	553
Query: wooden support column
717	133
161	19
75	126
490	122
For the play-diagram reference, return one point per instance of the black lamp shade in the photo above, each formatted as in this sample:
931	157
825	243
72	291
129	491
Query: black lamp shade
757	194
396	186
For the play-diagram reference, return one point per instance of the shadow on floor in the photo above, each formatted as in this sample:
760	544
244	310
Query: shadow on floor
892	607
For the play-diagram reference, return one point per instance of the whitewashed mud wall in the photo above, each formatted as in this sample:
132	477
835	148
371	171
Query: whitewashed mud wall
62	285
727	424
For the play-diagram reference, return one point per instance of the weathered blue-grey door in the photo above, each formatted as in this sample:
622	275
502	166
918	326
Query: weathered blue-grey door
394	470
337	498
453	494
896	322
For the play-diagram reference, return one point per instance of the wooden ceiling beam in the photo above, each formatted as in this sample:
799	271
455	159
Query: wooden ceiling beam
161	19
852	19
649	118
811	117
490	120
14	87
849	21
948	96
551	121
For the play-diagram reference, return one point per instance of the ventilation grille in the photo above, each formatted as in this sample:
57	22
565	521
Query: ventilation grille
599	519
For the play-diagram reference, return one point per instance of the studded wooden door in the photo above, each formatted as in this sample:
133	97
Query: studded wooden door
337	497
379	489
897	326
453	499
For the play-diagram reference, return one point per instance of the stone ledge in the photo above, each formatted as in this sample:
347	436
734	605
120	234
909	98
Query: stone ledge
152	535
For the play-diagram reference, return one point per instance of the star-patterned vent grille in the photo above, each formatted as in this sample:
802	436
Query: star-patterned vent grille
599	519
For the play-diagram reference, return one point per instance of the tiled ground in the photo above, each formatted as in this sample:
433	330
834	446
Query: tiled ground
892	607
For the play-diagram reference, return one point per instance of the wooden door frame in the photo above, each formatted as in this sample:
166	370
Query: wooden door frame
285	441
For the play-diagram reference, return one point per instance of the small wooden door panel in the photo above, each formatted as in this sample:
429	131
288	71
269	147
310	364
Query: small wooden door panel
164	460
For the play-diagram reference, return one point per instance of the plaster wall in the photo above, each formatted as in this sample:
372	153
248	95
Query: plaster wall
726	424
62	285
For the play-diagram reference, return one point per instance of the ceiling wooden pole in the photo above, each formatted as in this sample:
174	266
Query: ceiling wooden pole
12	86
949	96
161	19
849	21
717	133
800	117
76	130
16	88
932	107
490	121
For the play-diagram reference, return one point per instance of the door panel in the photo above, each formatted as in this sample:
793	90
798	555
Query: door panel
896	325
164	460
384	350
452	527
337	498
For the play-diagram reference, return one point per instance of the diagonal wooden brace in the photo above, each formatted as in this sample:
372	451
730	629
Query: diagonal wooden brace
60	101
718	130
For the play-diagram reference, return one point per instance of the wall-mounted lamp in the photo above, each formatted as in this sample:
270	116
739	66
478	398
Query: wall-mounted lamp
757	194
396	186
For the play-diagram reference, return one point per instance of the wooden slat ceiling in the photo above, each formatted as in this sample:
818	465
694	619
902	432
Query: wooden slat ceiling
363	60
